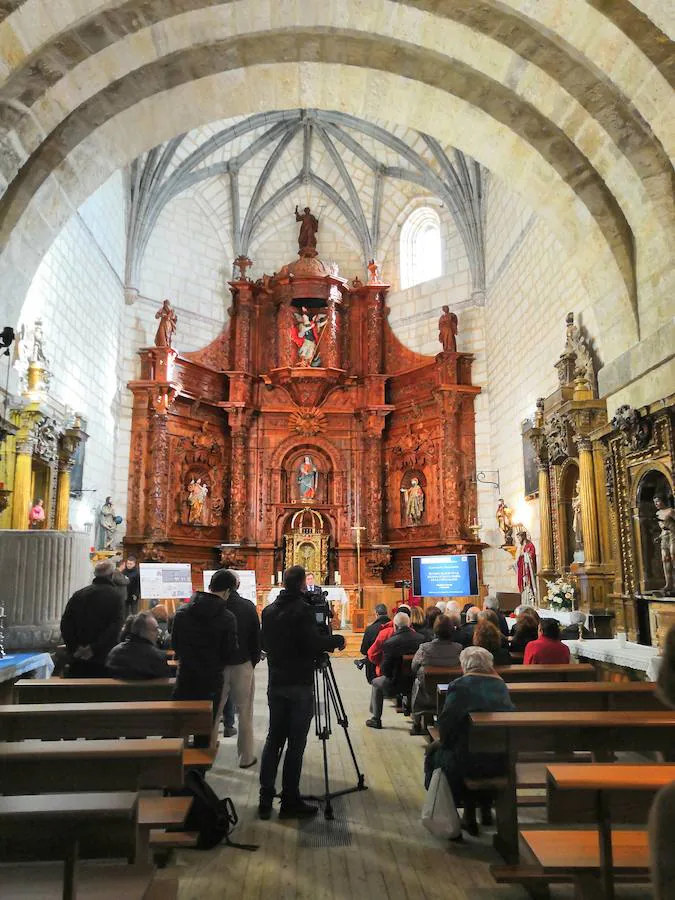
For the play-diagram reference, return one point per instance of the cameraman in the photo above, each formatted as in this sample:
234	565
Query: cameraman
293	641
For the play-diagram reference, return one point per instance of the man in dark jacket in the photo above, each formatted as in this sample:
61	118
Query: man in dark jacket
369	636
204	636
91	623
239	675
293	641
465	633
136	657
403	642
133	573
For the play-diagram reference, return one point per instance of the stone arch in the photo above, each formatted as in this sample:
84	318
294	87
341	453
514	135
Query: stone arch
324	86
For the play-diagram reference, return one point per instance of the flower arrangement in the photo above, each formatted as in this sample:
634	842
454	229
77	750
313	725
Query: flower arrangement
560	594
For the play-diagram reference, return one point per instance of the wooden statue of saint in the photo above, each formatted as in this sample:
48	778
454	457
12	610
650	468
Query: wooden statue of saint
308	230
447	330
167	325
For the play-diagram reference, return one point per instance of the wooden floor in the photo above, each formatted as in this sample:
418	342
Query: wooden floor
375	848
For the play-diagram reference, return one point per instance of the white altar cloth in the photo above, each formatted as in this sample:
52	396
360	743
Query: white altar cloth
628	654
337	596
564	616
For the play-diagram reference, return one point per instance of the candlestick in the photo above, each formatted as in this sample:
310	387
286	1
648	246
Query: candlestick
280	577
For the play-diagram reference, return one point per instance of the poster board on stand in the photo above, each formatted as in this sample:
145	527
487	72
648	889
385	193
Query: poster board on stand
247	586
166	581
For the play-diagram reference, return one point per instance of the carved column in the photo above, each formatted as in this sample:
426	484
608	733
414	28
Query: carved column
23	468
70	441
162	398
374	322
451	516
545	520
330	347
589	512
285	316
374	426
243	296
239	499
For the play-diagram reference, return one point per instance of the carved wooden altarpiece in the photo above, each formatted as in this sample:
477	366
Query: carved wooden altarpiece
229	443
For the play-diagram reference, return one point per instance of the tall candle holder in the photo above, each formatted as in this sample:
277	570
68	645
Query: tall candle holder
2	632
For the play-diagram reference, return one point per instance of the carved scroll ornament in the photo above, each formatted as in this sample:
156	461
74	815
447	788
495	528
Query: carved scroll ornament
557	438
635	429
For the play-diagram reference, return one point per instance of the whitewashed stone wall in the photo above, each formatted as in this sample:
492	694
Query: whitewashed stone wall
78	293
532	284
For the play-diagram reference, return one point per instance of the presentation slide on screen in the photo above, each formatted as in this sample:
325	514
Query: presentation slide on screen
160	581
246	582
445	576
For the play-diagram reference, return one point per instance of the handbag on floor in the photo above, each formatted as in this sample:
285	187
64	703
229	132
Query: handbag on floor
439	813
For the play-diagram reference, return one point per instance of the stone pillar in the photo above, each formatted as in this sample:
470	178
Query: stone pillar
39	570
545	520
589	512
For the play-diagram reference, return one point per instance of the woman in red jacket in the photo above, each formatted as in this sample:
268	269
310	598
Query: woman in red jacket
548	649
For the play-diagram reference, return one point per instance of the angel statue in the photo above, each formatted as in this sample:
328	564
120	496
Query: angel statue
306	335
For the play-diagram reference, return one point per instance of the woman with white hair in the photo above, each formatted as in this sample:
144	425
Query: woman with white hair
479	689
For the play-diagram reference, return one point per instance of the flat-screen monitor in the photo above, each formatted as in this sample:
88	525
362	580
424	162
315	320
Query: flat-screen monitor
445	576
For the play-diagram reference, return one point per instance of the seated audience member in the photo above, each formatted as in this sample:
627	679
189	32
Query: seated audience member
136	657
432	613
161	613
402	642
375	650
525	630
662	815
489	615
418	623
91	623
571	631
488	636
465	633
548	648
369	636
464	610
479	689
441	604
443	650
492	603
204	636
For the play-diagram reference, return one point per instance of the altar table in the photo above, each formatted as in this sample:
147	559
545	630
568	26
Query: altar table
629	655
15	665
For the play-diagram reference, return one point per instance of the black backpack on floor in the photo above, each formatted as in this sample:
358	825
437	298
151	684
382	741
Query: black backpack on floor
213	819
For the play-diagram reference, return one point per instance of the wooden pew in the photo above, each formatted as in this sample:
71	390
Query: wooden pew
604	794
49	721
28	767
91	690
572	672
581	695
95	882
62	823
600	733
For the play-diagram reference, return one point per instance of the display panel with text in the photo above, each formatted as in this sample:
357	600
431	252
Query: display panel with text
162	581
445	576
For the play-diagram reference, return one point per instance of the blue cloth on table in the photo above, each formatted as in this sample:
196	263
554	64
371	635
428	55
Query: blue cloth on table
15	664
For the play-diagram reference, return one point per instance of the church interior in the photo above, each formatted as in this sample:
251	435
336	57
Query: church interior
365	288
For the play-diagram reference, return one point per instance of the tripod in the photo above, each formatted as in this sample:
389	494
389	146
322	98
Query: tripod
327	699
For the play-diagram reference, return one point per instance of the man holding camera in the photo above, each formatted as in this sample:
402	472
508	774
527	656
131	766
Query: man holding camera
293	641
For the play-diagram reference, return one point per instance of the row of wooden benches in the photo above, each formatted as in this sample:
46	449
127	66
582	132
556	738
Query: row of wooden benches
553	722
66	775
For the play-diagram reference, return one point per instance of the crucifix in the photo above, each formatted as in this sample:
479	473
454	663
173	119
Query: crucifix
358	529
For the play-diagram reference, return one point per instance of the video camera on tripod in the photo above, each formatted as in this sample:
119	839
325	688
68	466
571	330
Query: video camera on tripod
323	614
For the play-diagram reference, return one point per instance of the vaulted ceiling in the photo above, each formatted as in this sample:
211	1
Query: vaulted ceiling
266	158
569	101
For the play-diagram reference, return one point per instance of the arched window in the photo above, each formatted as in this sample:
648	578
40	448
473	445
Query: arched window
420	247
